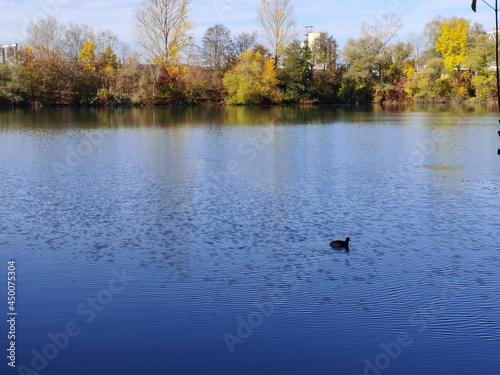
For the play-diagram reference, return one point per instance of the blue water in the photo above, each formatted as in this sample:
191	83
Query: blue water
195	241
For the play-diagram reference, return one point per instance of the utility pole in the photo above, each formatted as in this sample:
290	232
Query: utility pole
473	5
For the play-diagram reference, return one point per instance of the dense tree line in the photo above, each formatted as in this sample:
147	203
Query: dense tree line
76	65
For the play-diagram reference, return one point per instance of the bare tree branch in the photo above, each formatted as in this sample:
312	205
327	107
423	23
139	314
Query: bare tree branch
162	28
278	24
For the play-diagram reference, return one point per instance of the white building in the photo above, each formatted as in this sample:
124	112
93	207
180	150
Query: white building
8	51
311	35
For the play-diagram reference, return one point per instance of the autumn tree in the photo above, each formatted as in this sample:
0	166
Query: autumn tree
87	56
74	37
363	59
162	28
99	70
417	42
107	65
453	43
384	28
45	35
430	84
324	51
445	66
55	73
105	38
371	60
46	79
397	60
87	85
216	48
432	31
243	42
278	25
480	55
252	81
366	55
30	74
133	80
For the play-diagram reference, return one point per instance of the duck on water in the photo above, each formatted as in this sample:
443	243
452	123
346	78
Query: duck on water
339	244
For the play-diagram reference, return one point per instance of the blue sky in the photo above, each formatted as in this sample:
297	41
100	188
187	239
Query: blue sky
342	19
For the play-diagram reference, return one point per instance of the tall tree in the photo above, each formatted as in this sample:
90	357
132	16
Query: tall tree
324	52
10	84
278	25
45	35
87	56
431	30
296	75
216	47
162	28
106	38
243	42
479	58
417	42
384	28
497	68
73	39
107	64
453	43
375	65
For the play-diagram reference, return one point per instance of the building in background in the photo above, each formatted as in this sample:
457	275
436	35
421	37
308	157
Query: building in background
311	35
8	52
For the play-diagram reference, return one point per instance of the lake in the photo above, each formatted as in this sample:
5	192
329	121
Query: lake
196	240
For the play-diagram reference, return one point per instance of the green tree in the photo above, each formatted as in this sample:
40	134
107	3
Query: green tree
296	79
363	57
393	67
431	33
10	86
479	60
368	59
430	84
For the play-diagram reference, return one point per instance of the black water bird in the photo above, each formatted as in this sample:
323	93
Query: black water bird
339	244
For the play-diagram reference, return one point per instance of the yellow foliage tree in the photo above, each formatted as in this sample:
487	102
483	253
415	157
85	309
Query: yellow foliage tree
453	43
106	67
108	62
87	56
252	81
